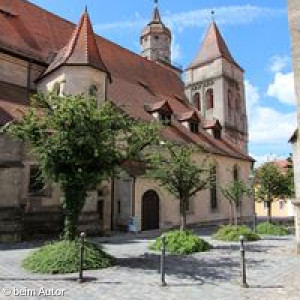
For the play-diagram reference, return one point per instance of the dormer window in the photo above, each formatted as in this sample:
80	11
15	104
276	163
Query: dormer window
190	119
165	118
217	133
160	111
194	127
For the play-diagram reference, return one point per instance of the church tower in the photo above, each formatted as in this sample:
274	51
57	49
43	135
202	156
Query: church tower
156	39
78	67
215	86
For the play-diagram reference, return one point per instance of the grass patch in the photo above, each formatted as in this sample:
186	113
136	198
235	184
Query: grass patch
63	257
232	233
272	229
181	242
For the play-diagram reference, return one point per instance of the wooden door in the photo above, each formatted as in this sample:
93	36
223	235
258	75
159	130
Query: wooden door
150	211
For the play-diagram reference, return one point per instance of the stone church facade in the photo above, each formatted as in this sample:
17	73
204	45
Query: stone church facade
41	52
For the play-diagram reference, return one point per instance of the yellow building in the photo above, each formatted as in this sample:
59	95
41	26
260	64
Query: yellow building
280	208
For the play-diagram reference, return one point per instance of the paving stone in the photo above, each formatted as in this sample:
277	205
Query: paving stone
272	269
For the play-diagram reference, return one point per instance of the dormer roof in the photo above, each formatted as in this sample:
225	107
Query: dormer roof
191	115
81	49
212	48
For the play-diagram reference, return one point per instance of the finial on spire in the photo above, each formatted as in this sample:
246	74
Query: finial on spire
213	13
85	9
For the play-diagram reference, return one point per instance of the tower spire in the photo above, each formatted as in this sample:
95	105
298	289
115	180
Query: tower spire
213	13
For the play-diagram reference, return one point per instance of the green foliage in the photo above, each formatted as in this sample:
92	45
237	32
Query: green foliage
63	257
181	242
232	233
78	144
271	229
234	192
176	169
271	183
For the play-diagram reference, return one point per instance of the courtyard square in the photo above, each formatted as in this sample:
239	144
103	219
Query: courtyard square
272	269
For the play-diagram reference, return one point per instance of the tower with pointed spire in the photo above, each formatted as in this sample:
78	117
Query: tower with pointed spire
215	86
78	67
156	39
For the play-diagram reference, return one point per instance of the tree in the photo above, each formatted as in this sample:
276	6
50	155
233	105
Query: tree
270	183
78	144
234	192
176	170
289	177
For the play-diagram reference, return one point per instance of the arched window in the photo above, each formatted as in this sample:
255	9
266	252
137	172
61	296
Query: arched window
56	89
230	104
213	188
235	172
93	90
209	99
197	101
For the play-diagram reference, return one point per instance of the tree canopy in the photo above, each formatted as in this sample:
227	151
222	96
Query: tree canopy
181	174
78	144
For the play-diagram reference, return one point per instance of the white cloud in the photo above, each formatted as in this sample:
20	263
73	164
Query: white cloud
239	14
175	50
267	126
279	63
283	88
252	95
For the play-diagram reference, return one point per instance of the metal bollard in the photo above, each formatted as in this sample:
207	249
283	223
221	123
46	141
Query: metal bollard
81	256
243	263
162	261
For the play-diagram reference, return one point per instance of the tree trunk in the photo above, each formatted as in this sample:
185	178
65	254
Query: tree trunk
231	214
235	214
269	205
73	204
182	215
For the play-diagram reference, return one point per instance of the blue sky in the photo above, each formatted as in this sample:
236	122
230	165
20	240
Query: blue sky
256	32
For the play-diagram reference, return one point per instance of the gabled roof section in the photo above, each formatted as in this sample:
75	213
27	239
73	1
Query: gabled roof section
158	106
191	115
81	49
212	124
213	47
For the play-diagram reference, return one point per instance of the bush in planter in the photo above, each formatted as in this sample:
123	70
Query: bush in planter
181	242
271	229
232	233
63	257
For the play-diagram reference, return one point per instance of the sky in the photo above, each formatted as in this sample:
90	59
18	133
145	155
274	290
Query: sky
256	32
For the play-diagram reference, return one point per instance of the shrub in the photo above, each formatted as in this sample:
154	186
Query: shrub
232	233
181	242
63	257
271	229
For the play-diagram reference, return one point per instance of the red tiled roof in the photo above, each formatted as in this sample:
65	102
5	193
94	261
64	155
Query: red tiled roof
189	115
213	47
35	33
80	50
211	124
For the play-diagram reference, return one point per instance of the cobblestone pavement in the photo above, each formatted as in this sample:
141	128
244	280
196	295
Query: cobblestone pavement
272	265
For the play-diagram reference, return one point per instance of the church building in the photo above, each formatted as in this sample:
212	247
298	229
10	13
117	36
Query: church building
41	52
